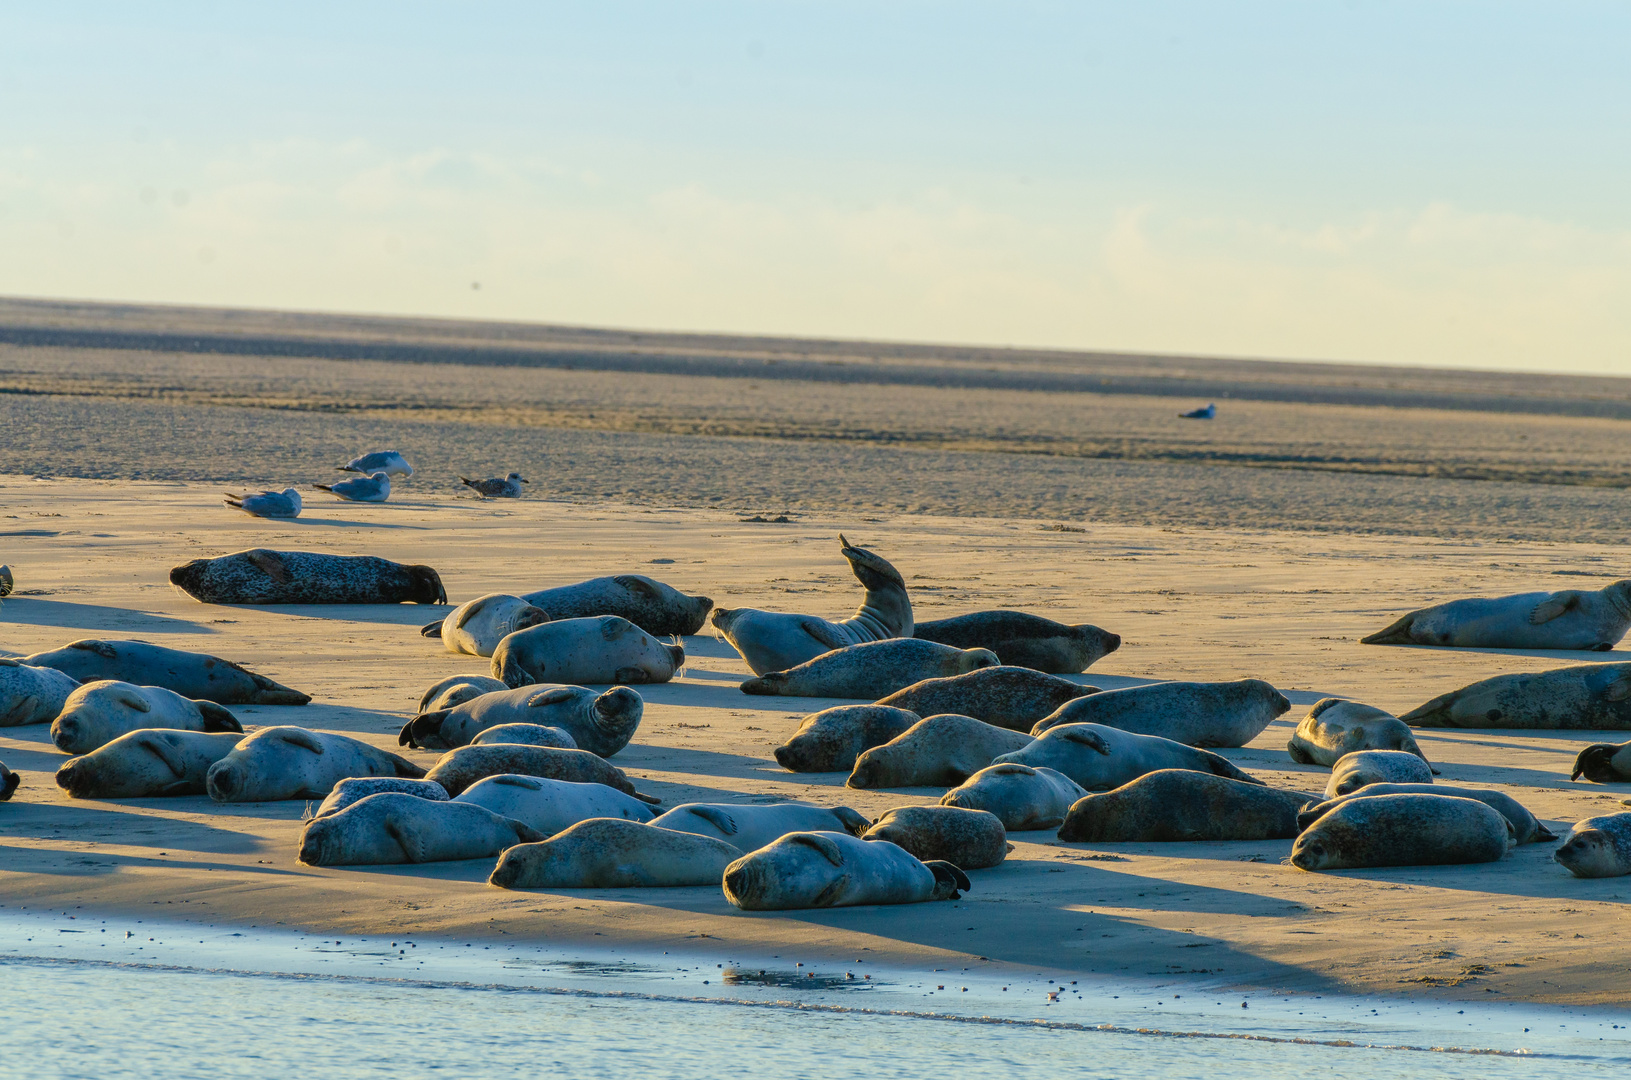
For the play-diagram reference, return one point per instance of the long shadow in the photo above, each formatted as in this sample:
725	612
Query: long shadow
307	519
30	611
37	860
29	747
414	615
1526	871
1578	656
94	820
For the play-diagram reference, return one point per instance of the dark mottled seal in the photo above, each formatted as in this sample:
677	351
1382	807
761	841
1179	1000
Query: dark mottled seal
1587	697
1027	641
601	722
1100	758
1604	763
32	695
347	792
872	669
1403	830
1354	771
651	605
832	869
260	576
1526	827
937	751
1200	714
1585	619
831	740
190	674
1597	847
1007	696
968	839
1176	805
458	769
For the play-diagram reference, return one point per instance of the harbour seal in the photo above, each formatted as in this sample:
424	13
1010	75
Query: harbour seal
1403	830
604	649
1021	797
476	626
1027	641
392	827
773	641
1180	805
609	853
1569	619
1011	697
261	576
1603	763
654	607
525	735
455	690
937	751
389	462
497	487
1597	847
1587	697
293	763
1526	827
1200	714
968	839
267	504
1100	758
601	722
749	828
347	792
374	488
30	694
192	675
8	782
873	669
1334	727
146	763
458	769
830	740
99	712
834	869
552	805
1353	771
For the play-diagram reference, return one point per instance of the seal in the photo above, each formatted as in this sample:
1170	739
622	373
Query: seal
1021	797
1587	697
749	828
938	751
8	782
604	649
497	487
476	626
1603	763
146	763
830	740
455	690
1180	805
99	712
599	722
1011	697
1597	847
609	853
1334	727
772	641
1354	771
1403	830
1100	758
834	869
1526	827
192	675
458	769
1027	641
392	827
968	839
873	669
30	694
261	576
656	608
552	805
347	792
1200	714
525	735
293	763
1592	619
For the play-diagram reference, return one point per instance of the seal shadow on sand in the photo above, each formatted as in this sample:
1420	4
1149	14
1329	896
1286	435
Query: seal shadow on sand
94	618
414	615
103	821
1574	656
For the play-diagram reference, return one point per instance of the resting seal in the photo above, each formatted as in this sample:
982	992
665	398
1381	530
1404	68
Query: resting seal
749	828
1021	797
1354	771
192	675
347	792
830	740
476	626
873	669
1200	714
1334	727
1021	640
1403	830
609	853
1100	758
32	695
99	712
1177	805
552	805
1526	827
968	839
599	722
938	751
1010	697
455	690
604	649
1604	763
833	869
146	763
458	769
525	735
293	763
771	641
1597	847
259	576
395	828
656	608
8	782
1587	697
1570	619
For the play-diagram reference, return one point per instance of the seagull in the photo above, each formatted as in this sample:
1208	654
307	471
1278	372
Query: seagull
376	488
1207	413
389	462
507	488
268	504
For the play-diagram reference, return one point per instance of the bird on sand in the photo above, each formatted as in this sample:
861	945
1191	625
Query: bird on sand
389	462
375	488
507	488
268	504
1206	412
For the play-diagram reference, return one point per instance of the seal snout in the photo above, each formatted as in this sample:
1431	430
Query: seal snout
223	782
72	777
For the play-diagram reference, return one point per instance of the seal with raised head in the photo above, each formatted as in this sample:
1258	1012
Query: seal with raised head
1179	805
1334	727
834	869
151	762
99	712
455	690
1021	797
262	576
476	626
1353	771
1027	641
1586	697
1100	758
748	828
968	839
830	740
600	650
651	605
392	827
199	676
937	751
1592	619
601	722
552	805
1010	697
525	735
347	792
8	782
1526	827
30	694
293	763
610	853
873	669
1597	847
774	641
1200	714
1403	830
457	769
1603	763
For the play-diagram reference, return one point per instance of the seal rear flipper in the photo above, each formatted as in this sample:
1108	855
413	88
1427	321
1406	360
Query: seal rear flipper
217	718
652	799
855	823
431	629
948	879
8	783
1396	634
418	732
404	767
1435	713
762	685
1298	754
1595	763
1222	766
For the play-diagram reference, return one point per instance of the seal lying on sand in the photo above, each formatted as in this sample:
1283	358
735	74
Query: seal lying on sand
1403	830
935	752
1354	771
455	690
748	828
1200	714
1597	847
609	853
525	735
1526	827
1175	805
192	675
654	607
260	576
395	828
552	805
1100	758
294	763
458	769
873	669
968	839
476	626
99	712
772	641
1334	727
1582	698
347	792
1603	763
1571	619
604	649
600	722
146	763
1021	797
830	740
1021	640
32	695
1010	697
8	782
832	869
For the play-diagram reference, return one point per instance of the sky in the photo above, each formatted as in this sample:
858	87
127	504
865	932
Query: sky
1438	184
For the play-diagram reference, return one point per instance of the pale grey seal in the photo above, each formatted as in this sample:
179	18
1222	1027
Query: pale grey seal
507	487
375	488
968	839
1586	697
455	690
261	576
267	504
610	853
99	712
1010	697
525	735
1100	758
1597	847
392	827
1021	640
1334	727
8	782
389	462
552	805
294	763
937	751
1178	805
1353	771
748	828
1603	763
1526	827
830	740
476	626
873	669
30	694
347	792
654	607
1021	797
604	649
601	722
190	674
1200	714
834	869
1403	830
1570	619
458	769
146	763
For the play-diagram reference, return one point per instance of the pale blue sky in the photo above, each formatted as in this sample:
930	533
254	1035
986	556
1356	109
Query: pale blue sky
1439	184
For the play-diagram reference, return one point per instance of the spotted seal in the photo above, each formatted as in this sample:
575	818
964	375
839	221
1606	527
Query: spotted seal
1178	805
601	722
1023	798
1100	758
830	740
1010	697
1403	830
604	649
870	670
260	576
525	735
30	694
1597	847
968	839
1026	641
1570	619
146	763
476	626
392	827
1526	827
293	763
458	769
1200	714
937	751
748	828
552	805
1353	771
1334	727
658	609
1586	697
99	712
610	853
192	675
455	690
834	869
347	792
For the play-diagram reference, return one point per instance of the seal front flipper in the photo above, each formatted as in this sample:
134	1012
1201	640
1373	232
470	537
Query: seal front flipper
823	632
948	879
271	564
1554	606
716	817
1397	634
1222	766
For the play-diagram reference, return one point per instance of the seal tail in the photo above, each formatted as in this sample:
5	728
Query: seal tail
1435	713
268	692
417	732
948	878
1222	766
765	685
406	768
1396	634
652	799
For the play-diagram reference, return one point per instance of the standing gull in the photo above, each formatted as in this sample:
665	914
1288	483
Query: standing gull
507	488
268	504
389	462
376	488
